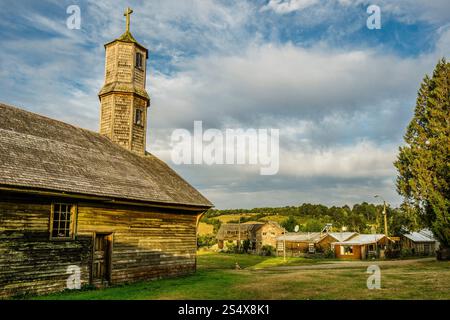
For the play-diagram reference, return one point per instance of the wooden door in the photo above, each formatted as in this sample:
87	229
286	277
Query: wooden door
101	260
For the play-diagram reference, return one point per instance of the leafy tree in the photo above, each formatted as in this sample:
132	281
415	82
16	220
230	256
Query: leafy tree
246	245
214	222
313	225
207	240
289	224
423	163
400	221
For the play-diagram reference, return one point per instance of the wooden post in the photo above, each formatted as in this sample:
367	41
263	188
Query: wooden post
239	241
284	245
385	219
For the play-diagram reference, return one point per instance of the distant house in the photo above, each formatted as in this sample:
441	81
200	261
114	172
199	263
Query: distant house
258	234
420	243
362	246
310	242
325	243
298	242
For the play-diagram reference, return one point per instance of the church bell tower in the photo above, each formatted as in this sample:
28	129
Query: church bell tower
123	98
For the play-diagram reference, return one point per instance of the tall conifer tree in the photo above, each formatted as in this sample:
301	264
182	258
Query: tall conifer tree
424	162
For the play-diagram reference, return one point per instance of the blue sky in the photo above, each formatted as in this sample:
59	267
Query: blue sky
340	94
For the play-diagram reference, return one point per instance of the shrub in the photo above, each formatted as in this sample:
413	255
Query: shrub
329	254
392	253
231	247
206	240
267	250
246	245
406	253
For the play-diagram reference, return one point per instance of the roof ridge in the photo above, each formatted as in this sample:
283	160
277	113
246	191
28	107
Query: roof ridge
147	153
47	117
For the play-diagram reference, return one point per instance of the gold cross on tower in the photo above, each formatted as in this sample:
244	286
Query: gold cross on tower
127	14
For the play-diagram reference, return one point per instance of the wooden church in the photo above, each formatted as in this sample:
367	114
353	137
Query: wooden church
77	203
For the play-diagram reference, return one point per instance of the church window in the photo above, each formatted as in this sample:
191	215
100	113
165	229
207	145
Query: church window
139	60
62	221
138	117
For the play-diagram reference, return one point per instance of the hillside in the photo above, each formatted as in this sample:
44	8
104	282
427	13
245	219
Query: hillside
363	218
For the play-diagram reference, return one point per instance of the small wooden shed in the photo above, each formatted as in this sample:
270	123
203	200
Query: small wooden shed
259	234
362	246
419	243
298	242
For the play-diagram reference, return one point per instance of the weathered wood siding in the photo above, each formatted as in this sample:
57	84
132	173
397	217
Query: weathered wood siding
420	248
138	131
293	248
147	244
29	262
324	244
355	256
124	93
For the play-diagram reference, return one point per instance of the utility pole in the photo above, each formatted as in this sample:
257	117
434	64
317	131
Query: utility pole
385	219
284	245
239	237
385	216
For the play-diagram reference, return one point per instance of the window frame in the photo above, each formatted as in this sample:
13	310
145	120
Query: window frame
141	112
139	61
346	253
72	224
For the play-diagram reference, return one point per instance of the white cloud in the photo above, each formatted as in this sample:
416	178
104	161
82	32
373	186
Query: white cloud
200	26
308	191
409	11
275	82
287	6
405	11
363	159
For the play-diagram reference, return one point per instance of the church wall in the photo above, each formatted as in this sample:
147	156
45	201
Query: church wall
110	64
138	131
29	262
122	119
125	59
107	105
146	244
139	74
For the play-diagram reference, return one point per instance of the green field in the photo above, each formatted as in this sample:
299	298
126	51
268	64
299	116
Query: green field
216	278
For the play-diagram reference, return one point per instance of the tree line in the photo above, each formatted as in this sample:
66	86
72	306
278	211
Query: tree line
363	217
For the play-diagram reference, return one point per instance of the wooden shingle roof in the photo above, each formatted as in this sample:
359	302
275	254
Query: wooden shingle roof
37	152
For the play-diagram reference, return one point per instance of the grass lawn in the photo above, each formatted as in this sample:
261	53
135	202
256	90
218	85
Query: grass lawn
217	279
208	260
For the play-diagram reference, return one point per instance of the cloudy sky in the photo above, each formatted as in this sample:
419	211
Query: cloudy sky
340	94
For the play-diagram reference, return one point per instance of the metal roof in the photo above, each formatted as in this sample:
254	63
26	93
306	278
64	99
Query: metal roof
418	237
362	239
427	233
301	236
342	236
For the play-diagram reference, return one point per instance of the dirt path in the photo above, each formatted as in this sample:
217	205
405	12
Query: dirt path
349	264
